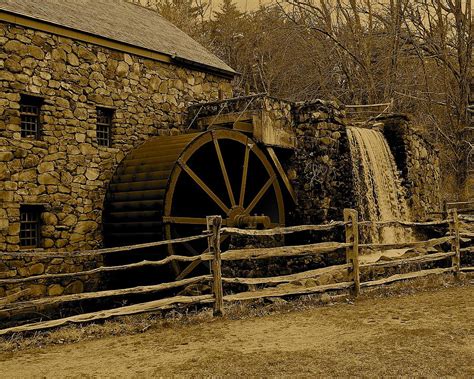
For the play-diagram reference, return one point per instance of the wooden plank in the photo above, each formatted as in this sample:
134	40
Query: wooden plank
151	306
282	173
39	304
405	223
214	225
287	278
410	275
145	263
352	252
282	230
389	246
422	259
277	291
110	250
283	251
467	269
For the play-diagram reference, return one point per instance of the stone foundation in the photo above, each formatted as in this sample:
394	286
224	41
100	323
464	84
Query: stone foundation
23	265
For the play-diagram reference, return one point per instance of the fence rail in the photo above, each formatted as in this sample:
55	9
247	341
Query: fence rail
214	233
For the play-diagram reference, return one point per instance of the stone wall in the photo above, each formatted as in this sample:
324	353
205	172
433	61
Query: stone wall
320	169
418	162
19	265
66	169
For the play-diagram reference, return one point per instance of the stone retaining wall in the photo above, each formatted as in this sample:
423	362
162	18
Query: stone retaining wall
22	265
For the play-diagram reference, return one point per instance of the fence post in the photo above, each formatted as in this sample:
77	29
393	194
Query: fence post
445	209
352	252
455	243
214	224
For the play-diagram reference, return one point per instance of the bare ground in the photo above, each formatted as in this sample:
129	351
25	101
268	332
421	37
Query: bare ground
420	334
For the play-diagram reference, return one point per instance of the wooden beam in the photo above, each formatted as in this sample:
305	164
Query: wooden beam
245	169
224	171
282	230
226	118
278	291
204	186
283	251
151	306
38	305
109	250
287	278
282	173
410	275
422	259
417	244
260	194
102	269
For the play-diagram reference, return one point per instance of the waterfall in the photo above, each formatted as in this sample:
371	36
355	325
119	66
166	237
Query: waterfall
379	193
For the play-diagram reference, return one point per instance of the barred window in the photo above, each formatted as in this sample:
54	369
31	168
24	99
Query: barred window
104	126
30	108
30	226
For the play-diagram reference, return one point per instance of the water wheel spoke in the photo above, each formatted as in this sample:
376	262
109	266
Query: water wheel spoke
190	268
204	187
185	220
260	194
224	172
245	170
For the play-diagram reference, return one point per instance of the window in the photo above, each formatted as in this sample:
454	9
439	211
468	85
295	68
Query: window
30	108
104	126
30	225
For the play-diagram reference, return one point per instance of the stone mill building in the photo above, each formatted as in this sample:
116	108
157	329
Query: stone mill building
81	83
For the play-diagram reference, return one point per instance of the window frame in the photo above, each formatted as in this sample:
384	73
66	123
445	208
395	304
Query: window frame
30	116
30	226
104	128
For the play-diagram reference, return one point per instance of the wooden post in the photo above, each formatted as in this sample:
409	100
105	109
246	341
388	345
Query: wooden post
455	243
214	224
352	252
445	209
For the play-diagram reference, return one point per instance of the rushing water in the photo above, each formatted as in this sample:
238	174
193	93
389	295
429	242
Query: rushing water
380	195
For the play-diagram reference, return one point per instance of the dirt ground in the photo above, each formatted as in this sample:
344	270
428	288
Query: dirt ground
424	334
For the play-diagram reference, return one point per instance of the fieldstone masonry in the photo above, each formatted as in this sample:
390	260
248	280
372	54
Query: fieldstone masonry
65	170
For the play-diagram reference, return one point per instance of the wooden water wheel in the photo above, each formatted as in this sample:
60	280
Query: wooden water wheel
165	189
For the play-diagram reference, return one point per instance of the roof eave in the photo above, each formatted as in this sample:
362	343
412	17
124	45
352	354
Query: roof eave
64	31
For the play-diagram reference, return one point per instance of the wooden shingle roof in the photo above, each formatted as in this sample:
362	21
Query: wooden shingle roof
120	21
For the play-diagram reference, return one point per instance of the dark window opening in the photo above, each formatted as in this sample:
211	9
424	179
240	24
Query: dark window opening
30	111
104	126
30	226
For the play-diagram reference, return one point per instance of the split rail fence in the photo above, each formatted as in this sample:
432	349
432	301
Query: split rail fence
10	307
